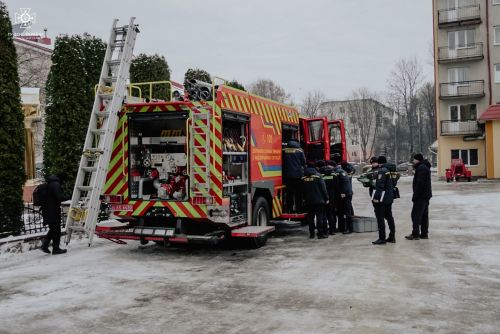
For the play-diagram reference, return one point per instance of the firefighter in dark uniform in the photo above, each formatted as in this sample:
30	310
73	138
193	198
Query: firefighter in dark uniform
382	197
344	189
294	162
349	169
326	171
316	197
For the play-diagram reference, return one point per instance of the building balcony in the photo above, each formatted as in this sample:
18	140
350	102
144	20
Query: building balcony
461	89
470	52
460	128
459	16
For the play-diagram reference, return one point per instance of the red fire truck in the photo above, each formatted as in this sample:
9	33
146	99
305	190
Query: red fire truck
204	171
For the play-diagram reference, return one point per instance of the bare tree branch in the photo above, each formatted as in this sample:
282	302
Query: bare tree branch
269	89
311	104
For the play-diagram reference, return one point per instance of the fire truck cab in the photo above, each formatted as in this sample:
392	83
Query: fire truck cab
207	169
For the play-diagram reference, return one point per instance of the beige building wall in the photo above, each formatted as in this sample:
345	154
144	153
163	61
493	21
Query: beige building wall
493	137
34	62
446	144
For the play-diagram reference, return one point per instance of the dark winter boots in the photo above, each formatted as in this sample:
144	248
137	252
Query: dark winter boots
45	246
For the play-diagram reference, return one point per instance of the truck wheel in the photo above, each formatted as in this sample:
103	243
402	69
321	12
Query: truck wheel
260	212
469	179
260	217
448	179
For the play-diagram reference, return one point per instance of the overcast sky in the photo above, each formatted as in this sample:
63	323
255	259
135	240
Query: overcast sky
335	46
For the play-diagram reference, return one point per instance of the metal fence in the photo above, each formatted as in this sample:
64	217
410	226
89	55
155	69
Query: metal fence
460	127
462	89
33	220
453	15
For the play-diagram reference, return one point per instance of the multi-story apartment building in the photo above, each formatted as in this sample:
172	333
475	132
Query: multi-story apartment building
467	75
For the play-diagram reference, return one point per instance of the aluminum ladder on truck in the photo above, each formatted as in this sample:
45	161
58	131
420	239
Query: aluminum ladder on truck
112	87
199	166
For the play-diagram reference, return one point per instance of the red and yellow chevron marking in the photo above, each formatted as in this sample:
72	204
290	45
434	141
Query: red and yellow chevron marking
272	112
216	155
116	179
179	209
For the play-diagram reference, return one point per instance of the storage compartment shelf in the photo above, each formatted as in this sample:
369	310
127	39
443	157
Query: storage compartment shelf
235	184
234	153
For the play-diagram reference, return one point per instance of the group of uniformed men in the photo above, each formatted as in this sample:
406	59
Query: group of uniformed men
325	187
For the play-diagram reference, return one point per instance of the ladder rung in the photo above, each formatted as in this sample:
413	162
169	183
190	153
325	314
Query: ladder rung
85	188
98	131
93	150
109	79
102	113
121	30
89	169
114	62
77	228
106	96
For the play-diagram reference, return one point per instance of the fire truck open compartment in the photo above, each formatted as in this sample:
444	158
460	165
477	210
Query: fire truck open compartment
235	164
158	157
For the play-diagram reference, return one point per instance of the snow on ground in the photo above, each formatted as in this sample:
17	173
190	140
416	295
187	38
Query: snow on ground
447	284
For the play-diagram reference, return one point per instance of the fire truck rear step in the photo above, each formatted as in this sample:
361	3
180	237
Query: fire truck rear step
251	231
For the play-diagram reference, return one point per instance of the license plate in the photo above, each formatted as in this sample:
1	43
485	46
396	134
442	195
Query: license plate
122	207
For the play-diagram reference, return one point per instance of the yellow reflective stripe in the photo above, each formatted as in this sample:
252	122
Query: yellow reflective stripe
141	207
177	211
191	210
238	104
231	101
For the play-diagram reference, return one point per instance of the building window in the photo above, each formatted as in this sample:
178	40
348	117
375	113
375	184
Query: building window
464	112
497	72
458	74
496	2
353	154
461	39
469	157
497	35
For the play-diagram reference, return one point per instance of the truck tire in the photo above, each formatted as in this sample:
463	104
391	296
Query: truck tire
260	212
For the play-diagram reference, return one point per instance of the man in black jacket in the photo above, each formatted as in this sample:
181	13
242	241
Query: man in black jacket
344	197
294	162
422	193
382	197
51	213
330	181
316	197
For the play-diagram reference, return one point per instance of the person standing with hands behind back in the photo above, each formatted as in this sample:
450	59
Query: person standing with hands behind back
422	193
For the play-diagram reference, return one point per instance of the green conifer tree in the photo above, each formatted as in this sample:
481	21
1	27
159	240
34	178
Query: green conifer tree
12	173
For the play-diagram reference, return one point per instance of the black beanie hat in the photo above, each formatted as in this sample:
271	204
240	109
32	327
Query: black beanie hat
418	157
381	160
373	159
320	163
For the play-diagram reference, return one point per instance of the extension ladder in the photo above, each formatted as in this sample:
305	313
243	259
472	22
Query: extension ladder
85	202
